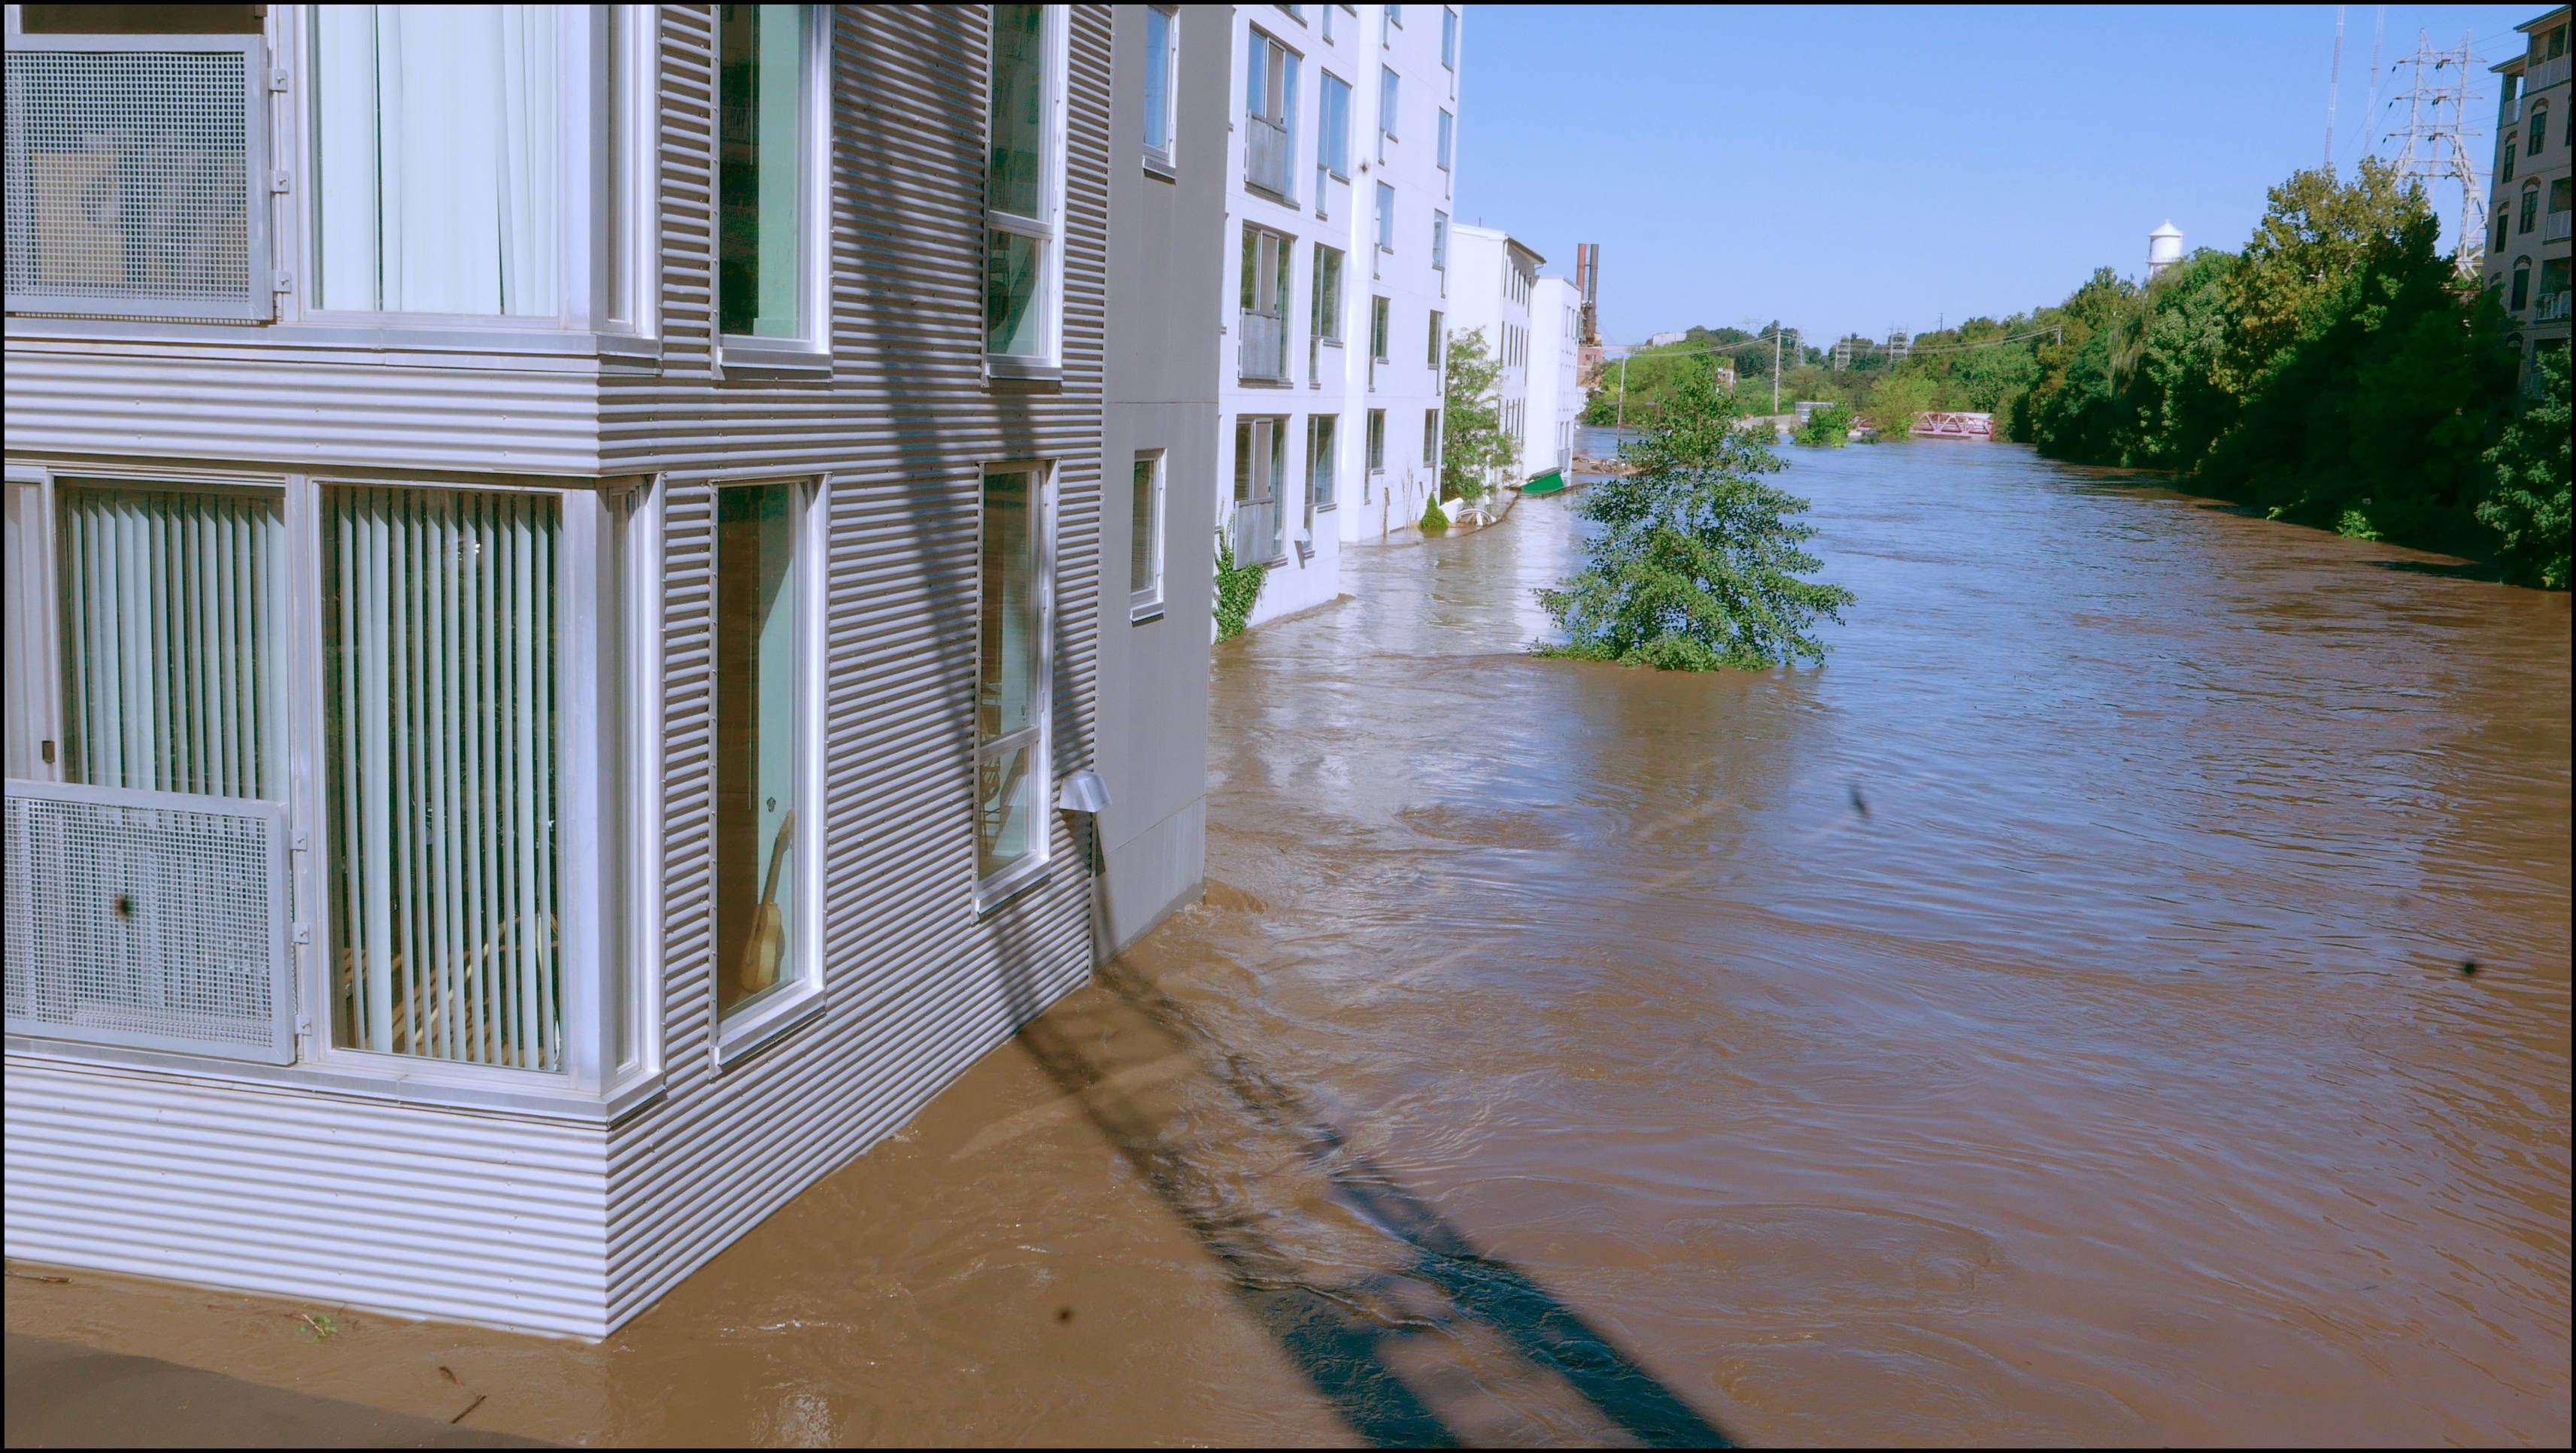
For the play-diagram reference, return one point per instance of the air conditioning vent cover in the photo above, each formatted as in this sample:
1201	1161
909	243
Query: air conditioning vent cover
153	920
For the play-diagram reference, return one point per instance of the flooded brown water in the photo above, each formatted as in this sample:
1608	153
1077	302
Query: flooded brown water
2044	1024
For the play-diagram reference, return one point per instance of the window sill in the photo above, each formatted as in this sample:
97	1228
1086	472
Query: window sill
755	1029
1286	383
1138	615
1160	168
1005	368
994	893
763	358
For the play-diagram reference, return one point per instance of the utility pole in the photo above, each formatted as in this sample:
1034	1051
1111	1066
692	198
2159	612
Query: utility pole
2437	142
1623	391
2334	86
1775	370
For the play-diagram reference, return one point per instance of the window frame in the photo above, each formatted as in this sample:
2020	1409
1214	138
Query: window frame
992	892
263	250
1449	37
1373	446
1164	160
809	350
1386	219
609	937
1446	143
1323	464
1332	141
1145	602
2535	128
1390	106
1435	352
751	1024
1047	231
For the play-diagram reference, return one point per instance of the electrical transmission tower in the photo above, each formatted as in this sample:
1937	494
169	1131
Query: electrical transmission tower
2436	136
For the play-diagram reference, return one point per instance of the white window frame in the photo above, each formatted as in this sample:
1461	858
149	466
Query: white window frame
608	187
1046	231
1165	159
750	1026
603	984
991	893
1447	142
1145	602
809	352
1449	44
1386	218
1335	166
260	151
1390	101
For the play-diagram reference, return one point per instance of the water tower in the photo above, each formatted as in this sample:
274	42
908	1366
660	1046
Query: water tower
2164	248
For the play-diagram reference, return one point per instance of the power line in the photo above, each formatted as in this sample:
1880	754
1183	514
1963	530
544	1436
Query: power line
2437	135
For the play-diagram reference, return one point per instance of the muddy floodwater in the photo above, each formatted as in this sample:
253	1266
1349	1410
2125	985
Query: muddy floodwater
2049	1022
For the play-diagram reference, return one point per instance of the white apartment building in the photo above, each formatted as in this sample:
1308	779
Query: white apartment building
1496	278
1555	391
593	593
1336	258
2532	197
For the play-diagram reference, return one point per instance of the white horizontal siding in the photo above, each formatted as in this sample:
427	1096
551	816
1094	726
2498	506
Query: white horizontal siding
400	1208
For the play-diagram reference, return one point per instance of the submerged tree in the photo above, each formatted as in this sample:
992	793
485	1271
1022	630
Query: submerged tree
1695	562
2528	503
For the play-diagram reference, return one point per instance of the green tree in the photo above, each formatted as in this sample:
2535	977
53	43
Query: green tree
1474	445
2317	232
2528	502
1898	400
1828	428
1694	560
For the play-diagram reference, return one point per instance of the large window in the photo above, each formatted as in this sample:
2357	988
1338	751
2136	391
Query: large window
435	152
1011	693
443	705
170	642
1449	37
1260	464
1385	218
1323	452
2521	297
1390	90
2530	215
1328	293
1145	537
1262	351
1022	186
1161	29
760	744
1447	140
1270	117
762	165
2512	150
1333	127
137	161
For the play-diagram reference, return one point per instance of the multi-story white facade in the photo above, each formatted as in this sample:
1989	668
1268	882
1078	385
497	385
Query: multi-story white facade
575	575
1495	279
2530	205
1555	395
1346	121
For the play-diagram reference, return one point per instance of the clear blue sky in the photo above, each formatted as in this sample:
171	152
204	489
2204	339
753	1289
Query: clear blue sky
1849	168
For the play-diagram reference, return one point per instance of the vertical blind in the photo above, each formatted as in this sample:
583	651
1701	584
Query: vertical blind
441	639
435	179
169	639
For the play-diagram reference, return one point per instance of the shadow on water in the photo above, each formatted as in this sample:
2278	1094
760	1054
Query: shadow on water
2447	570
1414	1335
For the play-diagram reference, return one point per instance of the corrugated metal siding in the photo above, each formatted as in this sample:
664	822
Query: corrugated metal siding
917	986
268	405
407	1209
495	1218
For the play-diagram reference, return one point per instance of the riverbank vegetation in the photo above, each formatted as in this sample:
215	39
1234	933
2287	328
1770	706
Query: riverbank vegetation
1694	561
2338	371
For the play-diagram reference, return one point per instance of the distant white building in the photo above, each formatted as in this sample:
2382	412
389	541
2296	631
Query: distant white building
1660	339
2164	248
1496	277
1335	250
1555	392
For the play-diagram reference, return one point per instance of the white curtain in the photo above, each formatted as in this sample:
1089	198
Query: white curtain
435	135
442	631
169	639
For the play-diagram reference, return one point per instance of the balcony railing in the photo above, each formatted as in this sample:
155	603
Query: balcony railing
1263	352
2549	308
2553	228
1267	155
1255	532
2541	75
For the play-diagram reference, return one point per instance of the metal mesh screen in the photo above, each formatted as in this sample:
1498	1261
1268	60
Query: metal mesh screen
129	176
149	926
